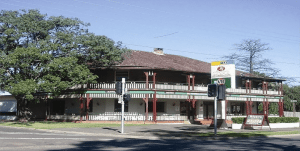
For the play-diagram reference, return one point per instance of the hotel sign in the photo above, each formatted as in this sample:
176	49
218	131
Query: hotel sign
223	70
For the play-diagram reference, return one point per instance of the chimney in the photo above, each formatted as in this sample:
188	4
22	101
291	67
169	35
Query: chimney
158	51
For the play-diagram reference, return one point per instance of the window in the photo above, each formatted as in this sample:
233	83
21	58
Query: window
160	107
237	108
118	106
91	106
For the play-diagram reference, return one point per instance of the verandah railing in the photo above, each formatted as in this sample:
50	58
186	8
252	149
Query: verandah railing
165	86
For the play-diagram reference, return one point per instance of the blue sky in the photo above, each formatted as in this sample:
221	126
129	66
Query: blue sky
200	29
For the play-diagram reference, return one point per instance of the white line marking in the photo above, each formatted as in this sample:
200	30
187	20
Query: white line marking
56	138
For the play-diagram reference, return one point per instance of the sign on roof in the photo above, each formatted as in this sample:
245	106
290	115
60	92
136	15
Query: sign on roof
224	70
216	63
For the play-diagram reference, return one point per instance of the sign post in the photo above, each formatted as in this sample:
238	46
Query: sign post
123	92
215	122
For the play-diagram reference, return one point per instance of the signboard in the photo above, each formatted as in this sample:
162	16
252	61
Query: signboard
227	82
224	70
221	81
254	120
293	100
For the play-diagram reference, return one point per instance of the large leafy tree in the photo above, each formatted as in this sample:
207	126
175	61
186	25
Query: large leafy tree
49	54
249	58
291	93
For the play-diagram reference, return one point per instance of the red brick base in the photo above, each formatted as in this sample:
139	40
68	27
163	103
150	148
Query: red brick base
208	121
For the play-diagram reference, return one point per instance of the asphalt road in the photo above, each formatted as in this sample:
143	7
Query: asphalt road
28	139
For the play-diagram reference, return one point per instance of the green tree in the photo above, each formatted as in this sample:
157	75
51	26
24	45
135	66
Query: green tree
291	93
49	54
273	108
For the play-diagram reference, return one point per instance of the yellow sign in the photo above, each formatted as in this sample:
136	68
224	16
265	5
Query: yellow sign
216	63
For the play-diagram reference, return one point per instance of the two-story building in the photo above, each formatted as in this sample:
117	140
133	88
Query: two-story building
163	88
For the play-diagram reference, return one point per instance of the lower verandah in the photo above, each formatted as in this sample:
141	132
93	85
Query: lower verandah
135	110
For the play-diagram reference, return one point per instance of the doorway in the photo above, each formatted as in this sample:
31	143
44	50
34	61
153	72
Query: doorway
208	112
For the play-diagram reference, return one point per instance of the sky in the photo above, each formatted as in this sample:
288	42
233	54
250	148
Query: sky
204	30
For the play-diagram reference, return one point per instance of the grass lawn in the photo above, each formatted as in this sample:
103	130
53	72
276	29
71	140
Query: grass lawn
54	125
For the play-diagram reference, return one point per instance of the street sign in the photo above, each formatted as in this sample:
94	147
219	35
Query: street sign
221	81
293	100
120	100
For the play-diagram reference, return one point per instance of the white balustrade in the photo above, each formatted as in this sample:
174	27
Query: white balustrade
165	86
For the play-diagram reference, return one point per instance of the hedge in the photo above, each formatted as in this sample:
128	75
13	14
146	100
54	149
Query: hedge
283	119
240	120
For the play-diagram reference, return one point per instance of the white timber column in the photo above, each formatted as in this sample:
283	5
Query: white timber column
223	109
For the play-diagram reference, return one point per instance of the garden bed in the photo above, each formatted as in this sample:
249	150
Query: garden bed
275	122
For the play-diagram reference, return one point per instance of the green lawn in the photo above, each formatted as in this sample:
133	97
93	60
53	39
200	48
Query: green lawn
54	125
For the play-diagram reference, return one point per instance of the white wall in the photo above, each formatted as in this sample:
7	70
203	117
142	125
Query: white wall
8	103
99	108
109	105
136	105
169	108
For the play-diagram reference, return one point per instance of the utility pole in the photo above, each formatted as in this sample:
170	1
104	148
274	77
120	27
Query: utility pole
215	105
122	102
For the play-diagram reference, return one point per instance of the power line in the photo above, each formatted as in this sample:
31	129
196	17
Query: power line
95	4
284	39
184	15
166	35
197	52
128	44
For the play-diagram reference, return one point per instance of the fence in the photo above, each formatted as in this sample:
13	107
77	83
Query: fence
291	114
117	116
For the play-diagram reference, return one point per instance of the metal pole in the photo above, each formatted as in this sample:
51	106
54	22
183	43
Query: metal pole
215	122
123	87
215	105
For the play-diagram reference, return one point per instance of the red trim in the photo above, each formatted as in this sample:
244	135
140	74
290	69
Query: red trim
88	99
81	108
147	96
154	99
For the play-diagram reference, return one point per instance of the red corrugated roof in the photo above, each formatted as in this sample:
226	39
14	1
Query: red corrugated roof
150	60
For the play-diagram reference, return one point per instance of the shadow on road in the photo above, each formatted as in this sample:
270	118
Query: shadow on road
175	144
182	140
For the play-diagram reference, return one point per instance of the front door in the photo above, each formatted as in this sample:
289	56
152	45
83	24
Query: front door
183	108
210	111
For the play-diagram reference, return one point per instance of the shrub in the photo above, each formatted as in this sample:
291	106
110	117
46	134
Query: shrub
240	120
283	119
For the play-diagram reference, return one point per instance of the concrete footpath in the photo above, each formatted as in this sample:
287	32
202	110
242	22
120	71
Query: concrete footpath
161	131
